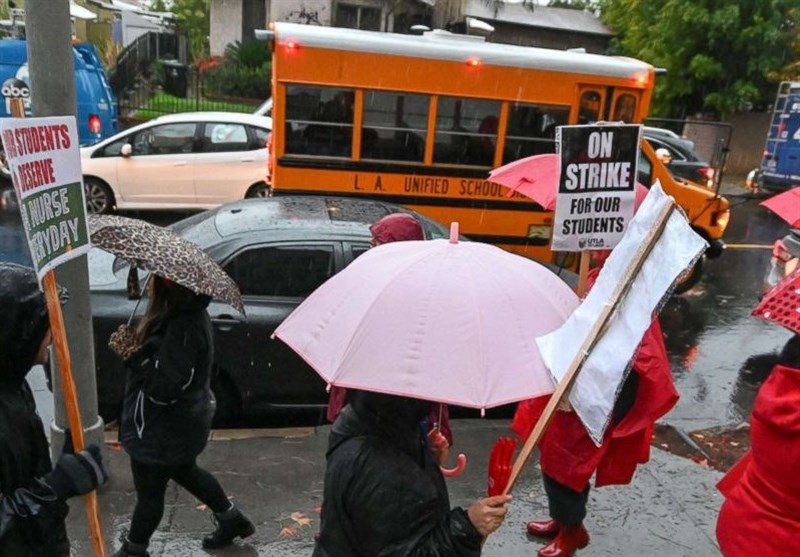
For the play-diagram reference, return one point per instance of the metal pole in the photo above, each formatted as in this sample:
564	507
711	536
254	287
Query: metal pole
50	59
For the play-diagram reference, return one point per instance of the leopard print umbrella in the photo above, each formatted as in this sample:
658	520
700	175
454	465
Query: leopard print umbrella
161	251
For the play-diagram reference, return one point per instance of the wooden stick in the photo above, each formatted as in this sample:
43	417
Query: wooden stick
67	381
595	334
583	273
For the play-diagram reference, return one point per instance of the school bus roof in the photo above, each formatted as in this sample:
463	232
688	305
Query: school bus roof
440	45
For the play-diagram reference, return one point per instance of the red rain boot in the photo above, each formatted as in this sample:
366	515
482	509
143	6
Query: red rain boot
543	528
568	540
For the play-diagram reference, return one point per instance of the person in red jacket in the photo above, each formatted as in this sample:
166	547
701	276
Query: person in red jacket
400	227
569	457
761	513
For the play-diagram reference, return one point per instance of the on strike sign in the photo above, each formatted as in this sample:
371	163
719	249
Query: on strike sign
596	186
45	167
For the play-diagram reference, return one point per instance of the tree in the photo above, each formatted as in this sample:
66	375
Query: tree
192	19
720	55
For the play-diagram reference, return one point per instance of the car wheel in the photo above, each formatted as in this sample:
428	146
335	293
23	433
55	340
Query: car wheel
226	400
259	190
99	197
690	277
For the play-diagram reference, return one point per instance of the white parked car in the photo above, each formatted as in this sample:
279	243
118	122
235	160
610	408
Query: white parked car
192	160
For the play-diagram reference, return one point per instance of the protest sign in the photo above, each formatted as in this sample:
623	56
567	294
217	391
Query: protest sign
596	186
45	167
672	252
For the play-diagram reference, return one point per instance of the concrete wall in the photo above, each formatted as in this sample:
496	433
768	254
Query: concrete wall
749	136
226	24
524	35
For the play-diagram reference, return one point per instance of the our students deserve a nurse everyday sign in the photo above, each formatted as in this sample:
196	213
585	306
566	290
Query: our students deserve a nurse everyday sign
45	167
596	186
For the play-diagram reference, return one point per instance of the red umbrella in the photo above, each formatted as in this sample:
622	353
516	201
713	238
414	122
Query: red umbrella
786	205
536	177
781	304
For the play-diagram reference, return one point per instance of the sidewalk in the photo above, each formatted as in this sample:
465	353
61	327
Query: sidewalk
668	511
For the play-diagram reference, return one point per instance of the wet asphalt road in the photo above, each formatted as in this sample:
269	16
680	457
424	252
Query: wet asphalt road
720	354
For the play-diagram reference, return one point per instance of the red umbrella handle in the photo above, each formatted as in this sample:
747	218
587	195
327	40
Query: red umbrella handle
461	465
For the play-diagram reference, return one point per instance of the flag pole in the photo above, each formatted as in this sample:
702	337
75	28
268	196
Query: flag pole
67	381
591	340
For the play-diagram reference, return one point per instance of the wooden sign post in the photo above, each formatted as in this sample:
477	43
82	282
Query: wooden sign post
65	369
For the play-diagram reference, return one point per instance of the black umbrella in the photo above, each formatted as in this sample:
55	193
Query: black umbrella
164	253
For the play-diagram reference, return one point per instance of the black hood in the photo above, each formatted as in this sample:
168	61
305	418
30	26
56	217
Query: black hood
393	418
24	321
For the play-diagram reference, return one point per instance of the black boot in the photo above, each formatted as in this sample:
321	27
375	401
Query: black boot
230	524
129	549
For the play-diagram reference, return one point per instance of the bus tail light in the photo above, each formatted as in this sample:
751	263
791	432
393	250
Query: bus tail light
95	125
721	218
270	163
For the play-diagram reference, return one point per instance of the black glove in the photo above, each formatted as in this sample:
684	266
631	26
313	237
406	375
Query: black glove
77	474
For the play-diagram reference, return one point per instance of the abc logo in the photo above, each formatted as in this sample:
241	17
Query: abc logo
15	89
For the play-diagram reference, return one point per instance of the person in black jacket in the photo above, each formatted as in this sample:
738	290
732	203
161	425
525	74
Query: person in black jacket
167	411
33	494
385	496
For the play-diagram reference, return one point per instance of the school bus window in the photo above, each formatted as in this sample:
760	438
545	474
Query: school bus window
394	126
589	110
466	131
531	129
319	121
625	108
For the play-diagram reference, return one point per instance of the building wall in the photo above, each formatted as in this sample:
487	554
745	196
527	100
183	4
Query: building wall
509	33
226	24
311	12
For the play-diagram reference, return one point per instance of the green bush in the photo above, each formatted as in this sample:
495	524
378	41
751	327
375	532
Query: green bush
252	54
229	79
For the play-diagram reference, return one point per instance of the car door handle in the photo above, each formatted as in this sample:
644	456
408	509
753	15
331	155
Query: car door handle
247	159
180	163
225	322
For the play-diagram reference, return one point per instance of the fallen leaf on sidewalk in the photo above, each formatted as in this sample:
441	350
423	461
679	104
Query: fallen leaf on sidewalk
288	532
301	519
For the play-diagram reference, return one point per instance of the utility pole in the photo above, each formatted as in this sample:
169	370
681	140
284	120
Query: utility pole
51	67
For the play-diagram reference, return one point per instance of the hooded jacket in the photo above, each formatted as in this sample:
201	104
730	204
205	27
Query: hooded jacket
167	409
761	513
568	454
384	496
31	517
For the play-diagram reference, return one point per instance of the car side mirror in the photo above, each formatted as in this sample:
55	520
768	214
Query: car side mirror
134	290
126	150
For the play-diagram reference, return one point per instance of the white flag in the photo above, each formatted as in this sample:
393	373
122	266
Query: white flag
595	390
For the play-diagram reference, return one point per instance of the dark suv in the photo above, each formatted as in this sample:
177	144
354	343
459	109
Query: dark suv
684	162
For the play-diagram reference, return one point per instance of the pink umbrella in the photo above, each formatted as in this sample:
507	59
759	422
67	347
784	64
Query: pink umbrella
537	177
786	205
440	320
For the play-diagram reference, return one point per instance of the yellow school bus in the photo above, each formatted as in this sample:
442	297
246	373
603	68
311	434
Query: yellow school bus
420	121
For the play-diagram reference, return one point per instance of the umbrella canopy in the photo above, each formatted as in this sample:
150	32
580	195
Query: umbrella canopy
161	251
537	177
786	205
781	304
439	320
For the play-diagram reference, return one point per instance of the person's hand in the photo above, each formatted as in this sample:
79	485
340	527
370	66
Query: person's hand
488	514
123	342
77	474
439	446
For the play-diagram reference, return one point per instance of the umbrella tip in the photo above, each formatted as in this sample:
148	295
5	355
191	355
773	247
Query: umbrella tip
453	232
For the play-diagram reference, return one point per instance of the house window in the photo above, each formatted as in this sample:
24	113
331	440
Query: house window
358	17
